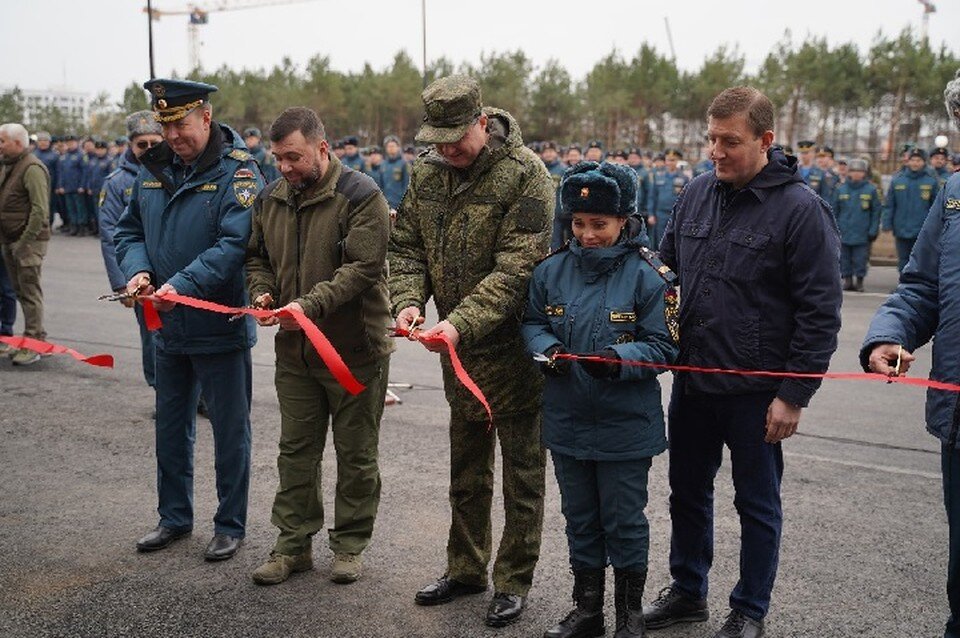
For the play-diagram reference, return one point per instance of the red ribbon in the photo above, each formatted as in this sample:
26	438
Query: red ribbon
458	368
849	376
45	347
321	344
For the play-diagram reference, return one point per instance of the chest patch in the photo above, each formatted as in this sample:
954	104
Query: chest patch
205	188
554	311
151	185
622	317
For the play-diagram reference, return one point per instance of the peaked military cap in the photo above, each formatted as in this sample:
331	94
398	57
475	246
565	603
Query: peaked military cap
451	104
673	153
595	144
391	138
842	161
940	151
100	144
123	139
918	152
173	99
143	123
351	140
590	192
575	147
410	149
376	149
43	135
634	151
548	145
252	131
805	145
824	151
906	147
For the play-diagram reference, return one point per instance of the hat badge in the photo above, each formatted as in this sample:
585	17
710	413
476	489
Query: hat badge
158	90
584	192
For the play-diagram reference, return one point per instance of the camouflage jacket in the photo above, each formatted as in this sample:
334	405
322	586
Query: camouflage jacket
470	239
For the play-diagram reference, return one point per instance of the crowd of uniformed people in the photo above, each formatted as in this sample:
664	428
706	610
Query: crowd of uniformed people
470	213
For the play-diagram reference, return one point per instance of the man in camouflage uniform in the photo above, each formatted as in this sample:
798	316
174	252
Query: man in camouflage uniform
473	223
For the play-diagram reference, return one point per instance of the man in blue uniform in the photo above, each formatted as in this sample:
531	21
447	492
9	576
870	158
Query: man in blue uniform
938	164
550	155
664	189
145	133
396	173
830	178
809	171
70	184
97	169
252	138
572	155
351	154
594	151
757	256
51	159
635	161
185	231
908	200
856	205
924	308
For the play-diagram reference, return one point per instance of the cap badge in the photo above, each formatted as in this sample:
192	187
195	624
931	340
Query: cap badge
158	90
584	192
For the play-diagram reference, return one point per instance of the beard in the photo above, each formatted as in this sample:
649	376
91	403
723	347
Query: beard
308	180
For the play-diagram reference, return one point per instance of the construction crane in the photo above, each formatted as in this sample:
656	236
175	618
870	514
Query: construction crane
200	15
928	8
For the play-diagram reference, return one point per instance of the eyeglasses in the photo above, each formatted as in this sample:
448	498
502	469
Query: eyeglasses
145	144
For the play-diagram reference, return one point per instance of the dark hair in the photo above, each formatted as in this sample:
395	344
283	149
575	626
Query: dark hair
298	118
748	100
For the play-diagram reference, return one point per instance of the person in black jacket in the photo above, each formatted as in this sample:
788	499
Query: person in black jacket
756	251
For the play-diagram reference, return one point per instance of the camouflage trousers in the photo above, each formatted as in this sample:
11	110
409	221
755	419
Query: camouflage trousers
311	400
471	495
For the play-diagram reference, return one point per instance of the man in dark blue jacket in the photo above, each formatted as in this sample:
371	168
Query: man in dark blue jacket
70	184
145	133
185	230
924	308
395	173
756	251
51	159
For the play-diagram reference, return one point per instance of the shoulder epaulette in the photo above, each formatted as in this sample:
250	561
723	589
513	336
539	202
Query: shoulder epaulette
657	264
239	155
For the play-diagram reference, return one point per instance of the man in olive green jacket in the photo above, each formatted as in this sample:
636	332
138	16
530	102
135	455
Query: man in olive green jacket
472	225
318	245
24	229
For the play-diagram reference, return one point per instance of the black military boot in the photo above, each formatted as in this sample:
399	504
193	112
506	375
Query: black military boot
627	596
585	620
848	283
858	286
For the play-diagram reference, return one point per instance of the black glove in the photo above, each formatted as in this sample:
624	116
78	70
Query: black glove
555	367
602	369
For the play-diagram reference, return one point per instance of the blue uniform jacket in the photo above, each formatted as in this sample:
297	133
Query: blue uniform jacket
95	173
50	159
664	189
813	176
643	189
375	173
926	306
194	236
908	201
703	166
265	161
856	206
71	170
395	176
113	201
355	162
760	282
587	300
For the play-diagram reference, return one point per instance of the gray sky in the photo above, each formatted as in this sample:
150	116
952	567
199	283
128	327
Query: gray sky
101	45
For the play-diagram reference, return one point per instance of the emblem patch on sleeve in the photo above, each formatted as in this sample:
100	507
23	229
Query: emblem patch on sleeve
671	312
952	204
245	191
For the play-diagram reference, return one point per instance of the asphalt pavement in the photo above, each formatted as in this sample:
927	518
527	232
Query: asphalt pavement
863	551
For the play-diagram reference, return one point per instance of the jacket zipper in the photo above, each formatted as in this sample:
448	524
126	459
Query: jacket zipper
303	341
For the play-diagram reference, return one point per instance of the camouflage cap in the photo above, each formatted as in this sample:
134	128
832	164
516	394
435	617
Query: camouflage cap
451	105
143	123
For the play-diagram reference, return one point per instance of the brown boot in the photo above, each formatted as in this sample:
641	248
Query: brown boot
279	567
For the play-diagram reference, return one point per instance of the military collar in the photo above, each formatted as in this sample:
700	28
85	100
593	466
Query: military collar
161	157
